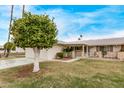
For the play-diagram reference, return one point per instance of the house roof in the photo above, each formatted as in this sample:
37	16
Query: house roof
97	42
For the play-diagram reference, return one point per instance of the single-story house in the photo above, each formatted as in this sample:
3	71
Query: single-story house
17	50
99	48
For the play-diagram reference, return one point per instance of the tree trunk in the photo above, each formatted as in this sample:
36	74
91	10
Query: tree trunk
10	24
8	52
36	67
4	52
23	10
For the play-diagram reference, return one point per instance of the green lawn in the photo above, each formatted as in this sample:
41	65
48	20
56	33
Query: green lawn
83	73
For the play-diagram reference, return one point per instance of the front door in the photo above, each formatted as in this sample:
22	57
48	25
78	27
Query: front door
78	51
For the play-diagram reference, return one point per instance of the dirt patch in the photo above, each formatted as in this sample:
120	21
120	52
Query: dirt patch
25	71
42	72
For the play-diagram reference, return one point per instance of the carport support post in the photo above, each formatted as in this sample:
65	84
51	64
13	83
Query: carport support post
87	52
83	51
73	52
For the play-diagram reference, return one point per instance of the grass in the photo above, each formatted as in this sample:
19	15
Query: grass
81	74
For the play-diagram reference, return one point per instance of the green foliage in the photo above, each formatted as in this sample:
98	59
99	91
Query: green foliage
67	52
59	55
34	31
104	53
68	49
9	46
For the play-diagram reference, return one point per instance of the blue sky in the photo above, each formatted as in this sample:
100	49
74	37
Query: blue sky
92	22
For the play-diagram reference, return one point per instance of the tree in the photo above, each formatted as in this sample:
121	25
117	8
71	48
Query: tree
10	24
9	46
34	31
23	10
80	38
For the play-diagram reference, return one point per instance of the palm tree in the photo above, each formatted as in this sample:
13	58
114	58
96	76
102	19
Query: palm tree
80	38
23	10
10	24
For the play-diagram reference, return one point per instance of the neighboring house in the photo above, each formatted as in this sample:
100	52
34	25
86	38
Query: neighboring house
1	49
100	48
17	50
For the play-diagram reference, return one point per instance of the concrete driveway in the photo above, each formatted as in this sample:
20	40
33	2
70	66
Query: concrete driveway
23	61
14	62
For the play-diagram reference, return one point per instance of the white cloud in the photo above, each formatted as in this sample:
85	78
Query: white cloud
70	24
118	33
73	37
70	37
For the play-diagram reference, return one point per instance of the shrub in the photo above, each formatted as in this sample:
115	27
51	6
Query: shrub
68	49
8	46
59	55
104	53
67	52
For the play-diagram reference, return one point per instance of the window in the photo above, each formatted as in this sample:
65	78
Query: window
106	48
109	48
122	47
78	48
97	48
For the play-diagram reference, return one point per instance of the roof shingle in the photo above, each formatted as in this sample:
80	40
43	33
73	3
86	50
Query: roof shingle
97	42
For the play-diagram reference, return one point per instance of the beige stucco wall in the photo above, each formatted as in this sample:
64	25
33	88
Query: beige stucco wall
18	49
44	54
78	53
116	48
51	53
29	53
92	51
120	55
113	54
73	54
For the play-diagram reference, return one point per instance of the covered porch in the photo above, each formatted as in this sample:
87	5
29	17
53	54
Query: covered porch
105	51
77	50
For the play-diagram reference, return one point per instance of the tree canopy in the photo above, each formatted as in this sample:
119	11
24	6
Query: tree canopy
34	31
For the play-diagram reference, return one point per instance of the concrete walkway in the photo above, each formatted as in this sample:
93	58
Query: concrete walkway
104	59
23	61
14	62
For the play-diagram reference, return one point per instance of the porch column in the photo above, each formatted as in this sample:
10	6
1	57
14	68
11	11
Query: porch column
83	51
73	52
87	52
